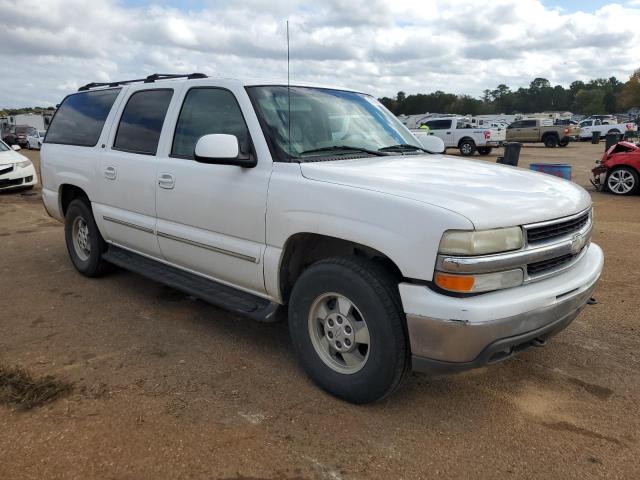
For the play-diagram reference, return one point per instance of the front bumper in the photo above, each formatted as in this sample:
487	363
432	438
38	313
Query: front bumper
18	178
449	334
599	177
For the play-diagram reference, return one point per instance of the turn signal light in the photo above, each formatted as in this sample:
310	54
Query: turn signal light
454	283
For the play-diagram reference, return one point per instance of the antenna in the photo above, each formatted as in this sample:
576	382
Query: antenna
288	96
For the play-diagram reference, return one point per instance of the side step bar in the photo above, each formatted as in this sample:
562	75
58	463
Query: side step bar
212	292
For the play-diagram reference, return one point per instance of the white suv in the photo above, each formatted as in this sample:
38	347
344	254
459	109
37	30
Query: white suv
254	196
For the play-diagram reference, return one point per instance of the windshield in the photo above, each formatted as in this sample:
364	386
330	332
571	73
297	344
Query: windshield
326	123
22	129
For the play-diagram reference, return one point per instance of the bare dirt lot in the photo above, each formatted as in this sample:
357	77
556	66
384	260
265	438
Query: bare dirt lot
169	387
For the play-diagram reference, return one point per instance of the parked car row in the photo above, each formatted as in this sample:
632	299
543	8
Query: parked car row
24	136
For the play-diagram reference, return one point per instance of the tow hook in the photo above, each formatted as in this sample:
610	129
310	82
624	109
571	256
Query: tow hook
592	301
538	342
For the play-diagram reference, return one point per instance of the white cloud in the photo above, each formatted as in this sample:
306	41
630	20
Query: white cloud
50	47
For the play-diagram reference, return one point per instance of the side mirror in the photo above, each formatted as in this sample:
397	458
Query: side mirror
221	149
16	147
430	143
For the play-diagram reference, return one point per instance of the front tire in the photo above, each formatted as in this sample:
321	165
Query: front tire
348	328
84	242
551	141
622	181
467	148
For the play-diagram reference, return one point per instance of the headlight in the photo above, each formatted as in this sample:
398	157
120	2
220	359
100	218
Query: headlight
24	163
480	242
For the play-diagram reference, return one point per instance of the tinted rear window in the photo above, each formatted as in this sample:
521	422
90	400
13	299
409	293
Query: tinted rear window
141	121
80	118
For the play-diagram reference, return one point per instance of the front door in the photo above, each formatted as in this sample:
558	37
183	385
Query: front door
211	218
127	203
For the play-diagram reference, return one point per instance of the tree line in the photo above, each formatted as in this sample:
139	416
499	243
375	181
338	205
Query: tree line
598	96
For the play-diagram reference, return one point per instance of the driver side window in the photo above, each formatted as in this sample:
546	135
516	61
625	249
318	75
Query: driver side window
206	111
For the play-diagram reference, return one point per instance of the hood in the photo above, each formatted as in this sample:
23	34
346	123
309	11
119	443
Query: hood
488	194
10	156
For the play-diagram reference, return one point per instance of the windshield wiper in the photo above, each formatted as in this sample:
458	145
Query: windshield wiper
402	147
334	148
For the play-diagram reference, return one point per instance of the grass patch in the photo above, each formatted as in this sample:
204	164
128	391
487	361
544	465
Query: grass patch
22	390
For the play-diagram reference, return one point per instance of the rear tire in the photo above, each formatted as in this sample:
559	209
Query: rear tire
484	150
563	143
551	141
348	328
84	241
622	181
467	147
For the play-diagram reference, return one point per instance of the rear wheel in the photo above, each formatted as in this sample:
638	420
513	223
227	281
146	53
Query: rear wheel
551	141
484	150
622	181
467	147
563	143
84	242
348	328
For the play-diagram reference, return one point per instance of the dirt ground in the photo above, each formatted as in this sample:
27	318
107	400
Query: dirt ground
170	387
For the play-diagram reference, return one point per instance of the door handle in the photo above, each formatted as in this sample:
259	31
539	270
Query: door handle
110	173
448	133
165	180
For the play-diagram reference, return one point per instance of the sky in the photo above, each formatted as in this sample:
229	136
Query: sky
48	48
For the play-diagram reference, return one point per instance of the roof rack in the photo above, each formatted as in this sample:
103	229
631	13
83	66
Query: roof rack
149	79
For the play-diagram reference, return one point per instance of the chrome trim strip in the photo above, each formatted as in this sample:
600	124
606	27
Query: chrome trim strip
130	225
208	247
557	220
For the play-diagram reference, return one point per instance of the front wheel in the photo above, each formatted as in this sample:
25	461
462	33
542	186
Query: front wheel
84	242
484	150
467	147
551	141
622	181
348	328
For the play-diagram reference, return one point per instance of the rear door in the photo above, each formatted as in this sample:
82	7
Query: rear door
530	131
127	171
211	218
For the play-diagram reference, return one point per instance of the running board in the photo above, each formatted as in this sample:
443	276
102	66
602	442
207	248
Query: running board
210	291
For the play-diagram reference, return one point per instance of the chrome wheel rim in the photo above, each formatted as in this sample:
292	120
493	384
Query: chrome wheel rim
621	181
80	235
339	333
466	148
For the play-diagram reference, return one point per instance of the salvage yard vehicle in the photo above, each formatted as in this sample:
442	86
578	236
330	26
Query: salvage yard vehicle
35	139
258	197
17	135
619	169
535	130
16	171
587	127
458	133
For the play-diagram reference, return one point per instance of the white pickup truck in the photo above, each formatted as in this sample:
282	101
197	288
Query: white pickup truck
588	126
384	255
457	133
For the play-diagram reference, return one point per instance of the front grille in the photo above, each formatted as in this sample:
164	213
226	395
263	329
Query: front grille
549	264
11	183
558	229
4	169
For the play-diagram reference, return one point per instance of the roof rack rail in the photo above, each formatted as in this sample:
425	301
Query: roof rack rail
149	79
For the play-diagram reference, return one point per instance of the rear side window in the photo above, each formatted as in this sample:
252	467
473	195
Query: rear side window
528	123
439	124
80	118
141	121
206	111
